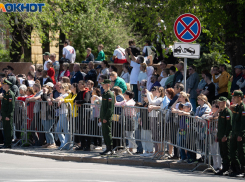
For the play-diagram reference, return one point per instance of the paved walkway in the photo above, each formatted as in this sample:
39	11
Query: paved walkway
94	157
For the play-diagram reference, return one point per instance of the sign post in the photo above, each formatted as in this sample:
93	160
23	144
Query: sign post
187	29
185	72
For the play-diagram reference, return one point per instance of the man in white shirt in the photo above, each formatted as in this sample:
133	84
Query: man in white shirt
135	63
46	58
69	51
119	55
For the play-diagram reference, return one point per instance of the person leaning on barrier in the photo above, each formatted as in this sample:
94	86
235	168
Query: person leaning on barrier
223	135
83	97
106	113
237	141
213	145
7	111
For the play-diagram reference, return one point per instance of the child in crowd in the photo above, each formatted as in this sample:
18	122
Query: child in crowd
184	110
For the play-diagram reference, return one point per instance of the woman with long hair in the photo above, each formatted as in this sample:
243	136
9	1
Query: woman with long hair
63	123
129	114
158	94
46	117
70	99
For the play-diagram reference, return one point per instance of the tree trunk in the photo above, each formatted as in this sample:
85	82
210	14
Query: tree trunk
46	42
61	41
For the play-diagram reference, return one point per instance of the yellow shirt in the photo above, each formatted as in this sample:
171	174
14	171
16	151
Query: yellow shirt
223	81
70	98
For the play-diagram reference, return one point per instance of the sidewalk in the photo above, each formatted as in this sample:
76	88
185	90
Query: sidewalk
94	157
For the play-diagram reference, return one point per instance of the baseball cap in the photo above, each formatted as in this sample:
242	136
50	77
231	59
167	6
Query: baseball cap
188	104
106	81
50	84
46	53
238	93
222	99
239	66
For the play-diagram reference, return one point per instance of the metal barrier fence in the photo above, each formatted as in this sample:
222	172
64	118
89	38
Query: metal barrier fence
50	118
155	129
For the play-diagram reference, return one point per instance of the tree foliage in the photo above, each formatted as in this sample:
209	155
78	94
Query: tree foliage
85	23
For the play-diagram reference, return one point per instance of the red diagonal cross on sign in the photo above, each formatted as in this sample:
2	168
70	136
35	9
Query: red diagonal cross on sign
180	35
187	28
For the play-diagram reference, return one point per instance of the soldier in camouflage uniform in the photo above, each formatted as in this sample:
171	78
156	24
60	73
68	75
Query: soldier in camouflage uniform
223	135
106	113
237	141
7	112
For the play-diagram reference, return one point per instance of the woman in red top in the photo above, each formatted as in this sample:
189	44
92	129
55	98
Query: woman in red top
51	72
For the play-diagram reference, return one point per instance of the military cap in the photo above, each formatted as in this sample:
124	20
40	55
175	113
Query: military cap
238	93
10	68
222	99
106	81
46	53
6	82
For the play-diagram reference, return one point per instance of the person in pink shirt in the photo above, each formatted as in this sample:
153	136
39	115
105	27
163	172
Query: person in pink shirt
129	113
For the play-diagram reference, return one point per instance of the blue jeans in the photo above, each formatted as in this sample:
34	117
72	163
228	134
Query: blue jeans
138	137
182	143
47	125
63	124
194	104
139	96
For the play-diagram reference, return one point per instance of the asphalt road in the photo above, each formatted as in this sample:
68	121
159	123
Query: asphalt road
24	168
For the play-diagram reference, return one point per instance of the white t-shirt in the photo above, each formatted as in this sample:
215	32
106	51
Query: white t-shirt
120	53
64	109
163	80
149	72
69	53
31	83
135	72
126	77
142	76
45	64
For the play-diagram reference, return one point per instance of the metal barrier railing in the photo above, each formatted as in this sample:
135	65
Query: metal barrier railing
134	124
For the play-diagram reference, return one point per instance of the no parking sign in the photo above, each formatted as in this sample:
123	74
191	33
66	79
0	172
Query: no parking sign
187	28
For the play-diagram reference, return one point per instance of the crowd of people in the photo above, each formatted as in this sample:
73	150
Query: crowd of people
138	85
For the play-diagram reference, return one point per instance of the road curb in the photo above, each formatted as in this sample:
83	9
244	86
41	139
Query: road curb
113	160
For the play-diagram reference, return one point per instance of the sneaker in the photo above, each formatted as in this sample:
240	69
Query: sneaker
106	152
52	146
46	145
148	154
180	161
144	154
192	161
98	148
